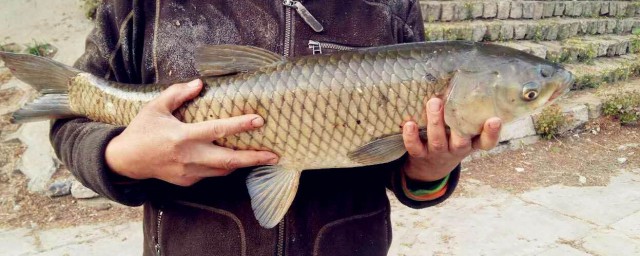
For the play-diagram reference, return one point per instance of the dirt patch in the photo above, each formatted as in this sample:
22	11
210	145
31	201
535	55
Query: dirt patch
586	158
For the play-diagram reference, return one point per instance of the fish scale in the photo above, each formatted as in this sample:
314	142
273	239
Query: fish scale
323	111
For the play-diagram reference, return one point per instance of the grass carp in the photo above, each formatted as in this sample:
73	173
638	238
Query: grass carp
323	111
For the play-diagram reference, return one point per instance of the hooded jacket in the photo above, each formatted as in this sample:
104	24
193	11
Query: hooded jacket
335	212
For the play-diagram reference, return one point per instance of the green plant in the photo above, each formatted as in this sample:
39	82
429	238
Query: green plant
90	7
549	122
587	54
623	107
635	31
634	46
588	81
41	49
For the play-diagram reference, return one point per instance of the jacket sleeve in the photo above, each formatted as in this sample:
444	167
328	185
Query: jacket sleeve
81	143
412	30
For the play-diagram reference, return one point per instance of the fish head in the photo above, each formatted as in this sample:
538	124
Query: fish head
502	82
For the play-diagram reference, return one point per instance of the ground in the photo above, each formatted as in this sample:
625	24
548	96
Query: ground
568	196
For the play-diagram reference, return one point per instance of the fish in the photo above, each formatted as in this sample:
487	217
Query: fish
338	110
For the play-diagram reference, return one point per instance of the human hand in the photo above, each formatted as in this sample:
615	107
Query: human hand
434	159
158	145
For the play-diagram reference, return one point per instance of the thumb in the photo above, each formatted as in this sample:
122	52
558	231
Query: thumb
176	95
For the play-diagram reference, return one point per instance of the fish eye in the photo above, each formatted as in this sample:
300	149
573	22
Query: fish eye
530	95
530	91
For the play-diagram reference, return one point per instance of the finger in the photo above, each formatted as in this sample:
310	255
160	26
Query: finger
458	145
436	134
228	159
176	95
490	135
220	128
412	141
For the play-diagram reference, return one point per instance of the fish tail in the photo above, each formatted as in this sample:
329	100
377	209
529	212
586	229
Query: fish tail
48	77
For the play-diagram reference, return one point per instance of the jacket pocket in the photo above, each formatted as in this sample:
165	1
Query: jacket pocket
363	234
322	47
185	228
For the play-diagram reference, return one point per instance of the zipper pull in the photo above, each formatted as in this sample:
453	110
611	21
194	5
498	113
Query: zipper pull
315	47
305	14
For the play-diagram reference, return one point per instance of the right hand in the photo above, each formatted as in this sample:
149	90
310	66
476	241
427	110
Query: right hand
158	145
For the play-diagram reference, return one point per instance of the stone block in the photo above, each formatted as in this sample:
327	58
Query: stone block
578	115
593	103
479	31
519	128
506	31
520	143
504	7
519	31
516	10
601	26
477	10
528	9
559	9
611	26
564	31
569	8
447	11
538	10
493	31
613	8
604	8
587	9
548	9
551	32
79	191
490	9
622	8
461	11
433	33
431	11
38	161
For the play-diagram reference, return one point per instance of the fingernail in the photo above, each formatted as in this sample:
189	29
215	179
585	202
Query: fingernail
434	106
494	124
257	122
194	83
273	160
410	127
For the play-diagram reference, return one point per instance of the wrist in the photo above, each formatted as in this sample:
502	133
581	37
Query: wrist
421	173
115	157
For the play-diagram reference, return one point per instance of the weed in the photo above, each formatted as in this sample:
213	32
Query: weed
549	122
90	7
41	49
624	107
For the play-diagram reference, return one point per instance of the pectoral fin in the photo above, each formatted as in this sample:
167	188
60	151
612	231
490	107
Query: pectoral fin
272	189
217	60
379	151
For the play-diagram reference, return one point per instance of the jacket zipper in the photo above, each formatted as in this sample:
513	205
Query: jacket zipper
158	222
280	249
305	14
317	46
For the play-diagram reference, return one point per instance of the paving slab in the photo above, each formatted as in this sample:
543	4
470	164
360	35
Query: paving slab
593	204
630	226
493	223
608	242
563	250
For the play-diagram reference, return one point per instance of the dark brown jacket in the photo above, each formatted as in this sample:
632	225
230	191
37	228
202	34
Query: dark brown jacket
336	212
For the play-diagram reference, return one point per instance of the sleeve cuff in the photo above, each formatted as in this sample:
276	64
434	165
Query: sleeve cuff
424	191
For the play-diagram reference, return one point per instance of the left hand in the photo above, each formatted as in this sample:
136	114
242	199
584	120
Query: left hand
434	159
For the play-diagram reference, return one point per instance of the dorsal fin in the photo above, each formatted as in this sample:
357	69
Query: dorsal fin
218	60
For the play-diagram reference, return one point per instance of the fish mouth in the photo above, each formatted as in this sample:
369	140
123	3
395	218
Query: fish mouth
567	81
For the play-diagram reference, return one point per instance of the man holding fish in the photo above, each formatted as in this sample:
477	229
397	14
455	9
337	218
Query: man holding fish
356	122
